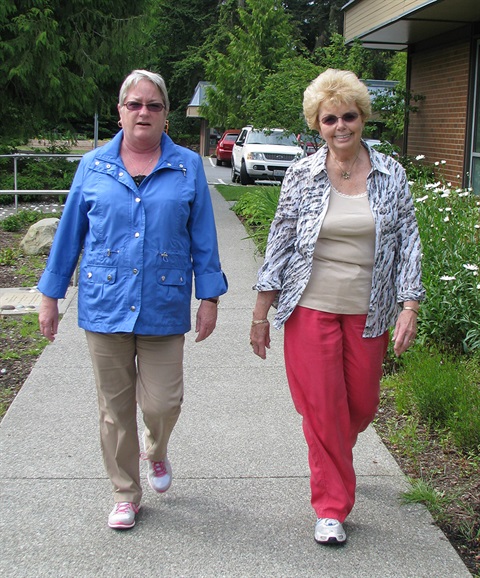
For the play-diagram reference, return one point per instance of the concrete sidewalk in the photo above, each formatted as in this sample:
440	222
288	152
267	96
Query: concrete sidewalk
239	503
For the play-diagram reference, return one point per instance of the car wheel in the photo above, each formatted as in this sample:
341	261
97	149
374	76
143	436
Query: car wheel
219	163
245	178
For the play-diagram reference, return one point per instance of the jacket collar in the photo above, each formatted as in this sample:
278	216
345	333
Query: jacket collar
172	154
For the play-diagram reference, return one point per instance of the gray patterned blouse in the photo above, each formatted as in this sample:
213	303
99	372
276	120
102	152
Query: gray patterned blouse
301	209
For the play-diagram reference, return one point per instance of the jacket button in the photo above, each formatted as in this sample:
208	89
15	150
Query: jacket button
181	279
120	174
109	277
137	235
163	277
89	274
132	308
109	166
135	271
137	200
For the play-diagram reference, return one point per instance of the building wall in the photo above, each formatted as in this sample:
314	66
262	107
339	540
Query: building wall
438	130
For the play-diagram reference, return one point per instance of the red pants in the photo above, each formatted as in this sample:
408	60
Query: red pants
334	377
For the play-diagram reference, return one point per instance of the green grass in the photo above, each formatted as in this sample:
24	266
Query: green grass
30	272
421	492
231	192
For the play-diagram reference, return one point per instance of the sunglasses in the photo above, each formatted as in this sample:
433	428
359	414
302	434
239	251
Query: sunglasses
133	105
331	119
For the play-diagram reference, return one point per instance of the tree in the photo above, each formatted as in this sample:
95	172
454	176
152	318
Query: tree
316	21
280	104
365	63
62	60
261	40
175	33
396	106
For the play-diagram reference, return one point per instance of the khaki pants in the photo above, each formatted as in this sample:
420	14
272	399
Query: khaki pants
131	369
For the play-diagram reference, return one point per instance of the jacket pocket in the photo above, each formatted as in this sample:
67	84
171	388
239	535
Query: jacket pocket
98	274
99	286
171	269
171	277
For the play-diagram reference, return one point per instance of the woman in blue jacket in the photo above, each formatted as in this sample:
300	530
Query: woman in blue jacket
140	209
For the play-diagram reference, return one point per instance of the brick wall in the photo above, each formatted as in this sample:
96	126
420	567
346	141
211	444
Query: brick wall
438	130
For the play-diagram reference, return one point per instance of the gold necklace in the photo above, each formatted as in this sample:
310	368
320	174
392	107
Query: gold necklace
346	174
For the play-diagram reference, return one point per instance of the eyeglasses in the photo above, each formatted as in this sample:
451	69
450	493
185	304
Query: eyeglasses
133	105
331	119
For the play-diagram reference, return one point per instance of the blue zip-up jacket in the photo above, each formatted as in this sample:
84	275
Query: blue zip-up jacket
141	245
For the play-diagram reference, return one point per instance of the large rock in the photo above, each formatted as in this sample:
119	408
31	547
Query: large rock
39	238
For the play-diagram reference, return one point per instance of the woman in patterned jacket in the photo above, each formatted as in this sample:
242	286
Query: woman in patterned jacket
342	265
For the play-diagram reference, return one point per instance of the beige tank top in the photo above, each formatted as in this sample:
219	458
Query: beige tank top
343	259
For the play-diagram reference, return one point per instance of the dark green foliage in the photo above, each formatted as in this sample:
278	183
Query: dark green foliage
61	60
22	219
36	173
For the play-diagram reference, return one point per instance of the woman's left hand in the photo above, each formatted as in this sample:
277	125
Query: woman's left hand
405	331
206	320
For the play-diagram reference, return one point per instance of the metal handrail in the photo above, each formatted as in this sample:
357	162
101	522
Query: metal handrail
17	191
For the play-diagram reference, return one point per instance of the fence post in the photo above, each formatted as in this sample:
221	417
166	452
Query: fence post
15	181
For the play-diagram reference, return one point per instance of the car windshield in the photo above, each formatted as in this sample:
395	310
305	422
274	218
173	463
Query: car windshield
274	138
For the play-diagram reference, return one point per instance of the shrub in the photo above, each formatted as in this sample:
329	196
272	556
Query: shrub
450	233
24	218
443	390
35	173
8	257
257	208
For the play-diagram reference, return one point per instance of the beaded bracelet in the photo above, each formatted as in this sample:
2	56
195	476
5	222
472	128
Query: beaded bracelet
259	321
408	308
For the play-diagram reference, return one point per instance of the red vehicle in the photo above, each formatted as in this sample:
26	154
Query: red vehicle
225	146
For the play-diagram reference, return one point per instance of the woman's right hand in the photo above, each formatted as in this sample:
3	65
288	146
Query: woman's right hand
48	317
260	332
260	338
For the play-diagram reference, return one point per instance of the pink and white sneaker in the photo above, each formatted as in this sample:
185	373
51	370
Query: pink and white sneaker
159	475
122	516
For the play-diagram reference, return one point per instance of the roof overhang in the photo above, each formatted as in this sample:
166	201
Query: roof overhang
396	27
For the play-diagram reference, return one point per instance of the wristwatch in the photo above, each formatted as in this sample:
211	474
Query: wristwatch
215	300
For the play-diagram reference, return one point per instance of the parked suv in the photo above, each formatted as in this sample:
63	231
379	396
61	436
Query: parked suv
263	154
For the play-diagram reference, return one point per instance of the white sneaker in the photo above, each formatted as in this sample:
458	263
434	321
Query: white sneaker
329	531
122	516
159	475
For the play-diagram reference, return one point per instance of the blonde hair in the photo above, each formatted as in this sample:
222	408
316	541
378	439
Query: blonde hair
135	77
335	87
